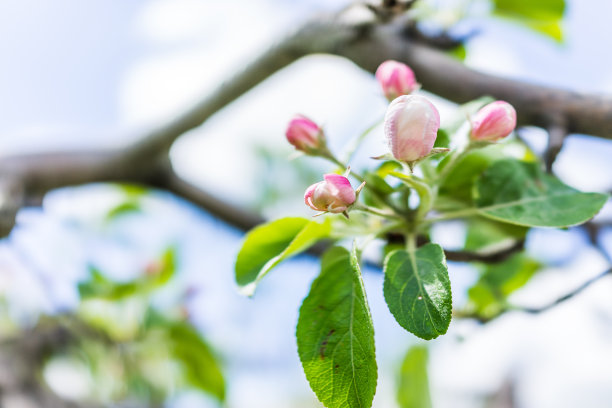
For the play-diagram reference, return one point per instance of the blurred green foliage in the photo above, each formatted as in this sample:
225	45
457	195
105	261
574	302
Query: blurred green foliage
413	382
543	16
126	348
488	297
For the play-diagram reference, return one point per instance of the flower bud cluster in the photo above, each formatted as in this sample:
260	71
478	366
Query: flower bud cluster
411	126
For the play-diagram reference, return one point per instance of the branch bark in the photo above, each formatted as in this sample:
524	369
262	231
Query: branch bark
442	75
21	359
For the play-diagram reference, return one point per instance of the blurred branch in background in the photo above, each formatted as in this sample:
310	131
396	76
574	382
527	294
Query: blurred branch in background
20	361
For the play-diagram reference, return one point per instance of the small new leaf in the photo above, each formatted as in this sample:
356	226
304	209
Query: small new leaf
269	244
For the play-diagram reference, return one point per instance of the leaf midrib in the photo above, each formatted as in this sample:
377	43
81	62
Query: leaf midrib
351	337
412	256
526	201
273	262
350	334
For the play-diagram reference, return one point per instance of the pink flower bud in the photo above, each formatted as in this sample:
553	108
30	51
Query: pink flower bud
494	121
335	194
305	135
396	79
411	127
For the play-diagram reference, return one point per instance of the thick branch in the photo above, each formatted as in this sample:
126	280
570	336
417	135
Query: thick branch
486	257
11	200
440	74
233	215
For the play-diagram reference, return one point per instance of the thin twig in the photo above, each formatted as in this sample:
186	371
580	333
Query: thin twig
533	310
486	257
536	310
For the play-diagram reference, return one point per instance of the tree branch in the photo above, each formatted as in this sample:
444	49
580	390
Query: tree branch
233	215
366	42
486	257
442	75
21	359
532	310
541	309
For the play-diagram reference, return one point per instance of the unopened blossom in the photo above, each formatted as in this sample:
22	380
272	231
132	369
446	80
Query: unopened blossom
305	134
396	79
411	126
493	122
334	194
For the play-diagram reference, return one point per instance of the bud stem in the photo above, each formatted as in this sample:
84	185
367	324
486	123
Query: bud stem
343	166
457	156
411	242
422	188
375	211
329	156
462	213
352	147
452	161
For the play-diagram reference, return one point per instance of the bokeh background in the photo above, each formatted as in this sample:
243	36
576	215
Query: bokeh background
90	74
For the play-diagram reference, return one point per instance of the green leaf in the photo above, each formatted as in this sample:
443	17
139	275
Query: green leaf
458	183
133	191
335	335
387	167
544	16
497	281
376	182
417	290
442	139
269	244
413	388
521	193
459	52
541	9
201	369
125	208
483	234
